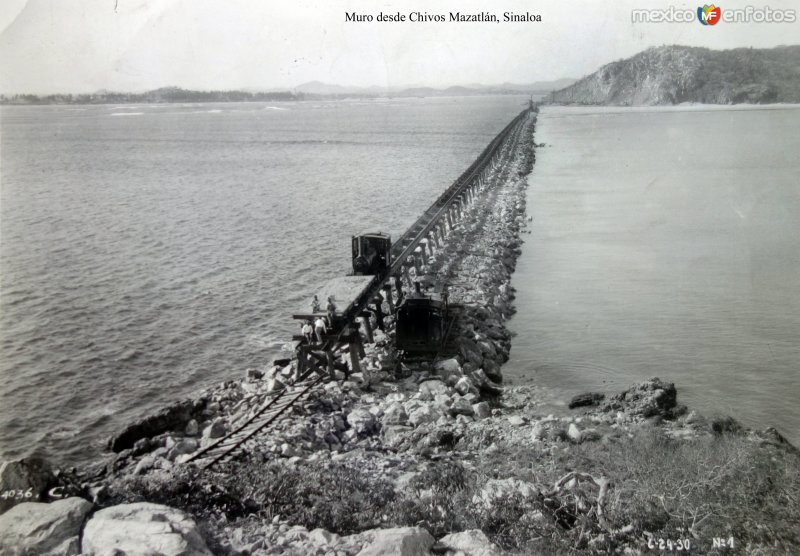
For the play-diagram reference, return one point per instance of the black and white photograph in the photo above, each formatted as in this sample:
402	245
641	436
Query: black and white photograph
399	278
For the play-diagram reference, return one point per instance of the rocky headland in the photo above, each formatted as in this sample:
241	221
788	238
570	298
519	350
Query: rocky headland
423	457
675	74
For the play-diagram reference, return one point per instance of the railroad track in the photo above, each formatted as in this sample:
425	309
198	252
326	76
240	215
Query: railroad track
272	410
492	164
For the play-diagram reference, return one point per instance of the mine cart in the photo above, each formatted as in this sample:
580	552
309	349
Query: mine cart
371	254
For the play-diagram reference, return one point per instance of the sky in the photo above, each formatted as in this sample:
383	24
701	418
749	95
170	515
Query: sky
78	46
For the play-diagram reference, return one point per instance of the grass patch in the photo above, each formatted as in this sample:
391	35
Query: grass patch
619	493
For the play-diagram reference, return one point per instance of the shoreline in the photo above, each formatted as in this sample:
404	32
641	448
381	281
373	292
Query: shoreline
436	457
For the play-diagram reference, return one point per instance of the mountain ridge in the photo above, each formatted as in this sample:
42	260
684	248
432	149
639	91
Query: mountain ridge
675	74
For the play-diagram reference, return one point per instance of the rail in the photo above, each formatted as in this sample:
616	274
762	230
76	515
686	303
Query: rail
276	407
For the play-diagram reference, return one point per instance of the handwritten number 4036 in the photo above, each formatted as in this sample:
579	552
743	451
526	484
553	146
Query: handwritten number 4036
17	494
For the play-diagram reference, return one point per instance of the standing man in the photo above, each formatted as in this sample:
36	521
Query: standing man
320	328
330	309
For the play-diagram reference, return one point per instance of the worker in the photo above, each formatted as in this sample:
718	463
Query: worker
320	328
308	332
315	306
330	309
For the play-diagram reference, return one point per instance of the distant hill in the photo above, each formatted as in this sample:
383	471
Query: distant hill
313	90
675	74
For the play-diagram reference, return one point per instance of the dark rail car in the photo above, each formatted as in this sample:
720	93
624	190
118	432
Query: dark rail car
371	254
422	322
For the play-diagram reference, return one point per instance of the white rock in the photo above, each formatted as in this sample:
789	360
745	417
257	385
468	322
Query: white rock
473	542
515	420
142	529
182	447
448	368
574	433
423	415
430	388
217	429
464	386
144	465
482	410
443	400
192	428
361	420
461	406
400	541
322	537
497	490
43	529
395	414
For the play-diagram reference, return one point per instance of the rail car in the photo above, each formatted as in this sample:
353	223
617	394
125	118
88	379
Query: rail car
371	254
422	322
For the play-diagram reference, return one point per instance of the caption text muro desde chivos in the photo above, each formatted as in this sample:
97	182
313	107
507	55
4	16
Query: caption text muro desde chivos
457	17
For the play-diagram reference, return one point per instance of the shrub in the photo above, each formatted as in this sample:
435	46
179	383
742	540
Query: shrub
337	497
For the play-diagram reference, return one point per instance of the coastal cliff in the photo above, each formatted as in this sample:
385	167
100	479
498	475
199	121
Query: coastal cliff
675	74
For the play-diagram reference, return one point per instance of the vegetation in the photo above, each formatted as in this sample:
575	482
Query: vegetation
167	94
675	74
590	497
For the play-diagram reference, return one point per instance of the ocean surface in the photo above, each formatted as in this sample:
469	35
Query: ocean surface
149	251
665	242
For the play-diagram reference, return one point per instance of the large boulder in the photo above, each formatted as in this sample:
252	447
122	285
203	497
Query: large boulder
43	529
448	368
400	541
647	399
473	542
174	417
142	529
587	399
27	478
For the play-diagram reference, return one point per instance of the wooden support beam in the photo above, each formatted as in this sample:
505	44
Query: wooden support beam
331	363
379	315
367	329
354	359
360	346
301	362
398	284
389	299
323	359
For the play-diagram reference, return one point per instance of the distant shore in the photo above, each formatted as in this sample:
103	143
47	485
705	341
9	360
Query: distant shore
177	95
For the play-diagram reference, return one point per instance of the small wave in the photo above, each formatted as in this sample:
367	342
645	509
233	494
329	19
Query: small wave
126	114
275	108
130	355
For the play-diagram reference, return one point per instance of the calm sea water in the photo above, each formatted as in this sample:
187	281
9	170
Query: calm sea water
666	242
149	251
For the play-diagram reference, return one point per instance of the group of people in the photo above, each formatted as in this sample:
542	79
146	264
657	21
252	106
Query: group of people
321	324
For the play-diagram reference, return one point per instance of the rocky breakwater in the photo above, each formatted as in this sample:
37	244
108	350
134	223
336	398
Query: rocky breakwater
433	457
381	420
